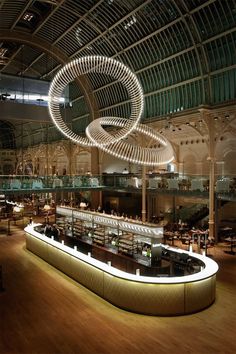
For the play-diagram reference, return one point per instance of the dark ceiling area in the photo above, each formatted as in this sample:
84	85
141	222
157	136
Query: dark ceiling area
182	51
7	135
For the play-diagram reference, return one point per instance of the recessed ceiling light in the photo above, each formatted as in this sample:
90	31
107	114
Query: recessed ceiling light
28	16
132	21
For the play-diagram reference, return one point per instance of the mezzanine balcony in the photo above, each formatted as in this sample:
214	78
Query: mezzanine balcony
225	188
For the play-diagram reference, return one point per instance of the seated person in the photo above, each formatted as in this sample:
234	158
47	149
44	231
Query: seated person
48	230
55	232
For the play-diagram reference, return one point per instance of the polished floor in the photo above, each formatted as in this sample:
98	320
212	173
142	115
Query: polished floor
43	311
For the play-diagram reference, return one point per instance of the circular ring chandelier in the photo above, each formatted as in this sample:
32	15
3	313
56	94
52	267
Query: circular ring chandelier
102	65
160	155
96	135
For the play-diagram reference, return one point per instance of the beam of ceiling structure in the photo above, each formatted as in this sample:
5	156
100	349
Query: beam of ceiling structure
56	53
200	54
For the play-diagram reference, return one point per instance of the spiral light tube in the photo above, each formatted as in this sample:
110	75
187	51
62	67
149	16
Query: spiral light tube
114	143
134	153
103	65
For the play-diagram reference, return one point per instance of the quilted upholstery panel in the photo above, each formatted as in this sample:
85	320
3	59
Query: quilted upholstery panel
155	299
199	295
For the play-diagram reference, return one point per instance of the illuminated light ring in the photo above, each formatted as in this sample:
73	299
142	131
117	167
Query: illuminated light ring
134	153
103	65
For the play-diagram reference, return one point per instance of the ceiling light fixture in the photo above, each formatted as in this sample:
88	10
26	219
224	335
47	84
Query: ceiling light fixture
131	22
28	16
134	153
114	143
103	65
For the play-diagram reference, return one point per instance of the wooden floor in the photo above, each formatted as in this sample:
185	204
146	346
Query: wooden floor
43	311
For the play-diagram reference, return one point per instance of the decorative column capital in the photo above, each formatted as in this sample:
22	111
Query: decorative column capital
211	159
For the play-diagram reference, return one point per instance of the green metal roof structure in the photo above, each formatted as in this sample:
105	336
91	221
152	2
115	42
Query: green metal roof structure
182	51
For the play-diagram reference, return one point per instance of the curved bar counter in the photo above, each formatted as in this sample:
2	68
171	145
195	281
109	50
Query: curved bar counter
163	296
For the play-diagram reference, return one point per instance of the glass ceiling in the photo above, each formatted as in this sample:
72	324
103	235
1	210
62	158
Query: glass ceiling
182	51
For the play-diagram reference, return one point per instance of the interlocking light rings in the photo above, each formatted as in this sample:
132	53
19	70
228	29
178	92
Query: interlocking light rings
124	150
103	65
114	143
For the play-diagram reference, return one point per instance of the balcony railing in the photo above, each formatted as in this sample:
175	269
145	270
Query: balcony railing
188	185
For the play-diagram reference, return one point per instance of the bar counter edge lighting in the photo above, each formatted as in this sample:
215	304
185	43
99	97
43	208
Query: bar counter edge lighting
164	296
